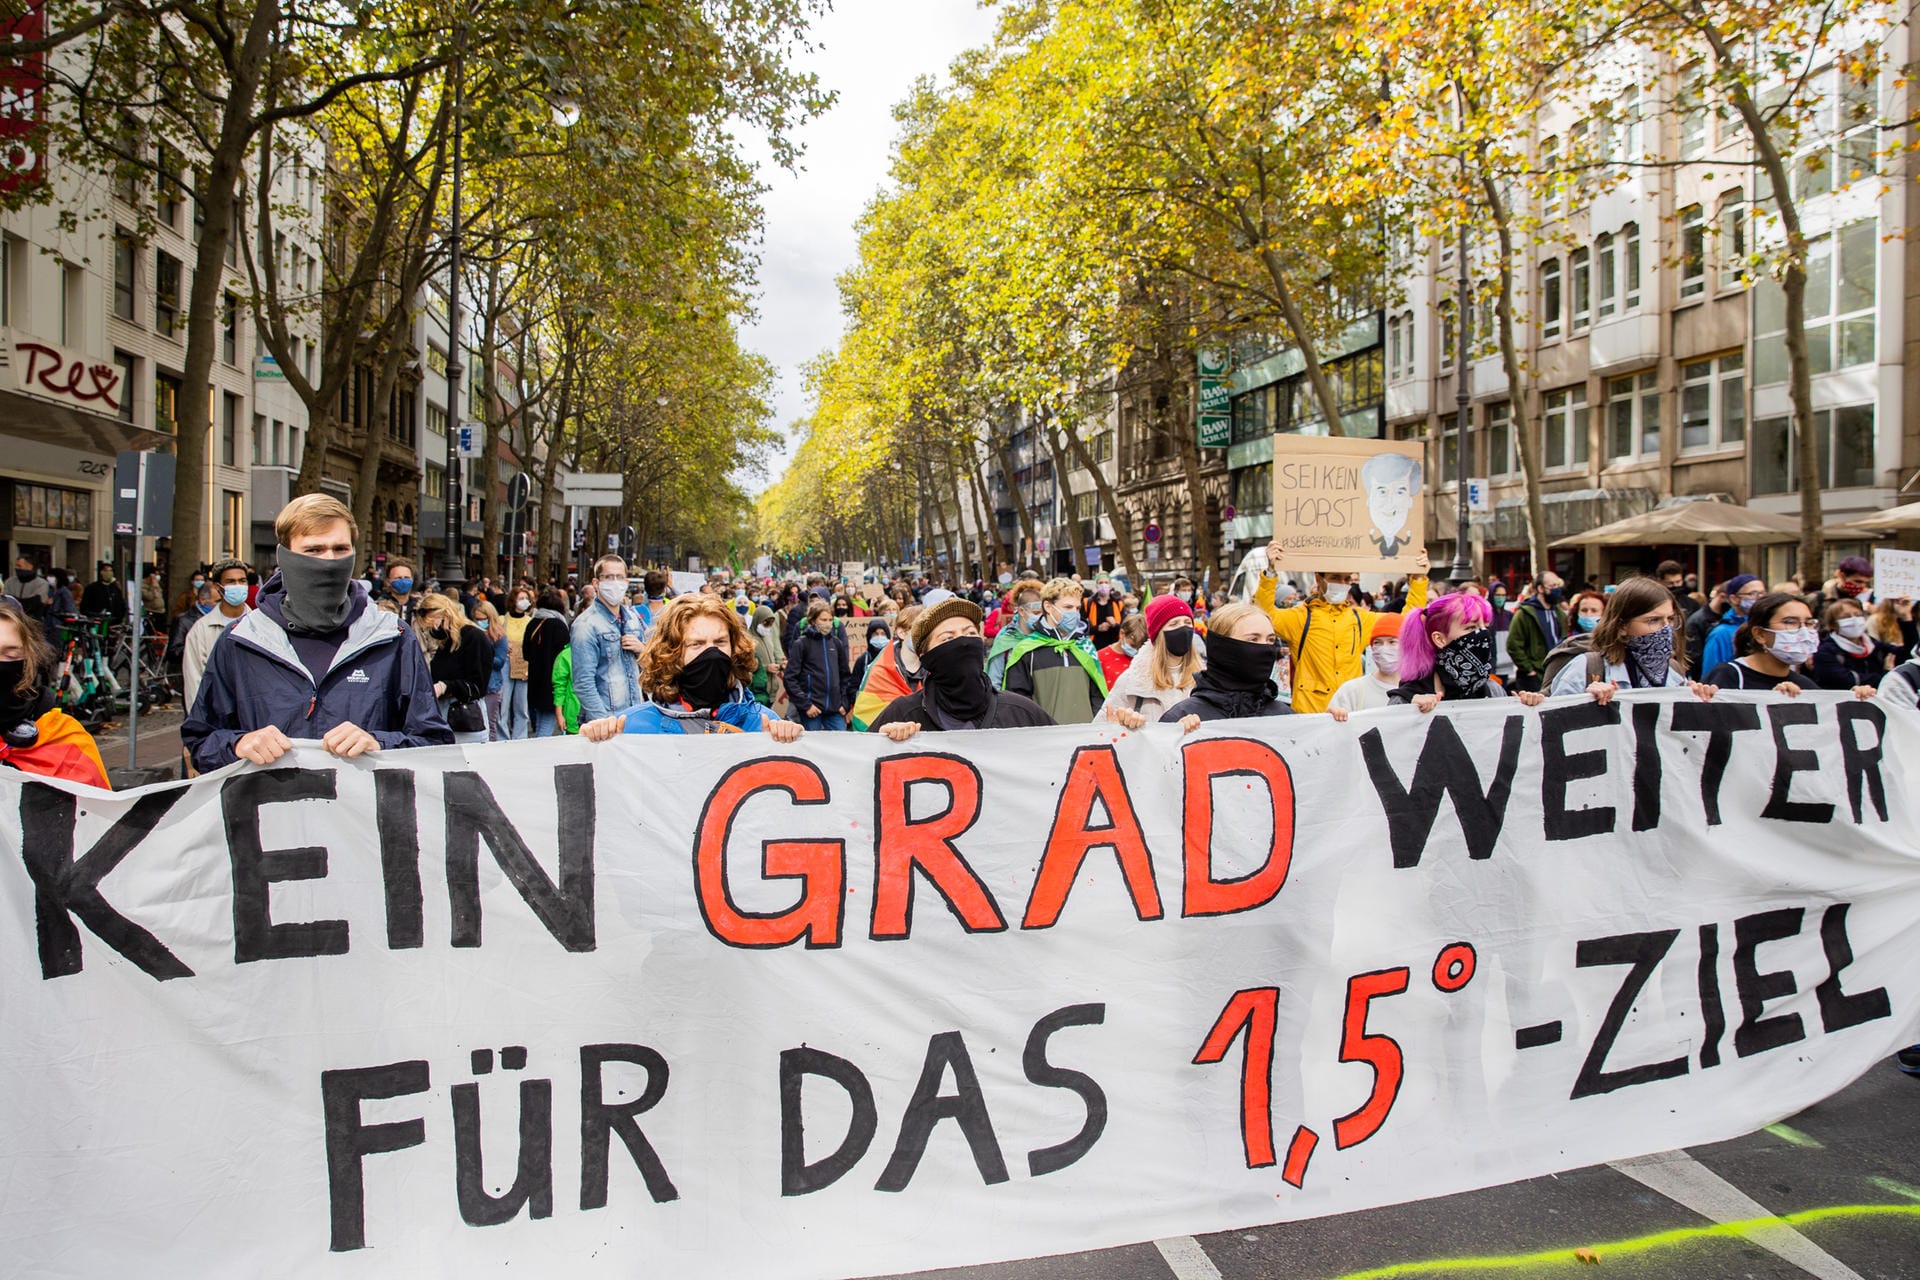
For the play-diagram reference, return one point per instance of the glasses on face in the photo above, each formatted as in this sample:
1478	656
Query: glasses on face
1749	597
1789	626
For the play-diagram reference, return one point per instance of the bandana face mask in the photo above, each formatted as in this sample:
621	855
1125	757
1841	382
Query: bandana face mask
1466	662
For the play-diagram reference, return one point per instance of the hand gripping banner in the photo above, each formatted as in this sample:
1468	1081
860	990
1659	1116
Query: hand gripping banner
711	1007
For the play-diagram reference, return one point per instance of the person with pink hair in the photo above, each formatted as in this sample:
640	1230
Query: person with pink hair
1447	651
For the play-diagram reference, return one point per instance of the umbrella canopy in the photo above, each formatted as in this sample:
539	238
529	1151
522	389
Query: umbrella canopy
1707	523
1907	517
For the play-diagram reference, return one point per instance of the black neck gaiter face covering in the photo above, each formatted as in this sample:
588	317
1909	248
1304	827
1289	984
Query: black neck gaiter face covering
317	591
957	678
1240	664
703	683
19	711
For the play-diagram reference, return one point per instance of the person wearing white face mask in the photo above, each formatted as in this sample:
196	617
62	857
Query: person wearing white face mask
515	722
1369	692
1771	646
1327	633
229	577
1056	665
1848	656
607	639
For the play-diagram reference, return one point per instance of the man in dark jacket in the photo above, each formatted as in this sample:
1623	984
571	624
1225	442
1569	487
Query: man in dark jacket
314	660
819	694
1701	624
1673	575
1538	625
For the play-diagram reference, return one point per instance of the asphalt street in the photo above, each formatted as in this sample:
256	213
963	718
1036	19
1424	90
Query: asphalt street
1833	1192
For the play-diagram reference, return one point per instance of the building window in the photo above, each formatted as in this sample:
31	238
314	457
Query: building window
1840	308
1580	271
1846	439
73	303
229	430
1566	426
1502	457
1605	264
166	402
231	525
259	439
1630	267
1252	491
125	254
1633	416
1553	205
1692	108
1450	450
1448	352
1713	403
436	420
1693	252
1733	239
1550	300
171	191
129	369
166	293
230	329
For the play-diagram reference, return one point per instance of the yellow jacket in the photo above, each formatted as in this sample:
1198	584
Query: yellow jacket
1331	655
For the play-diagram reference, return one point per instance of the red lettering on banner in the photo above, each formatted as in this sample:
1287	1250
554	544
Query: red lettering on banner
1382	1053
821	865
1206	761
1093	776
903	846
1256	1011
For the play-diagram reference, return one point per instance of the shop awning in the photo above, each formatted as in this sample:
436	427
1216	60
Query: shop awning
1706	523
46	422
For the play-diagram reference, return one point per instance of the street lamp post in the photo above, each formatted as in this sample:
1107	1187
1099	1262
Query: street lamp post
1462	568
452	563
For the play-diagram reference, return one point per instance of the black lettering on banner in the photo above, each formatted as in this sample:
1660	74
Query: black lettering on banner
350	1140
1756	1034
1787	762
257	869
533	1173
601	1121
1863	764
1047	1076
797	1177
1713	1013
1643	952
1558	767
65	887
966	1106
1719	721
1838	1010
474	815
398	822
1646	766
1445	768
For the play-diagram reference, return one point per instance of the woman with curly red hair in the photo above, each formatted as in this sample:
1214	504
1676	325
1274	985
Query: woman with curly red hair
697	675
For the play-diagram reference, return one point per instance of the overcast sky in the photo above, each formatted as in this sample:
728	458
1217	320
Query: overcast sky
869	52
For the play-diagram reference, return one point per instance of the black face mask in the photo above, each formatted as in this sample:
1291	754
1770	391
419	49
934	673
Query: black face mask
1240	664
316	591
1179	641
1464	665
19	711
704	682
957	674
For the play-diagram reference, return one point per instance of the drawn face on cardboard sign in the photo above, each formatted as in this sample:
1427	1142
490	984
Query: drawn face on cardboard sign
1391	481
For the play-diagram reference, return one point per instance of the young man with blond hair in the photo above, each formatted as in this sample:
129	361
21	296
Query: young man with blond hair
313	660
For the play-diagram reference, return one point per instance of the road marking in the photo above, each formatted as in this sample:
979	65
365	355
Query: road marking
1897	1188
1186	1259
1684	1180
1788	1134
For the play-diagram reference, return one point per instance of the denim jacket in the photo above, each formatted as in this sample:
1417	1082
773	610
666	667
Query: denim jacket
605	676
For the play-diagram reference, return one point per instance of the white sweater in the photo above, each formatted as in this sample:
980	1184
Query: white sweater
1134	691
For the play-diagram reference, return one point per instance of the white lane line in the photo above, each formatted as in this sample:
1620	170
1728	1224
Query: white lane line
1684	1180
1186	1259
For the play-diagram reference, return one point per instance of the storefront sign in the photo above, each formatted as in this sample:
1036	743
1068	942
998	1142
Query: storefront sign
55	373
1216	409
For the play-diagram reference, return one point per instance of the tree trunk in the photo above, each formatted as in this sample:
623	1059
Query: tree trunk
1206	530
1520	402
193	420
1005	459
1063	494
989	527
1303	339
1122	523
1793	285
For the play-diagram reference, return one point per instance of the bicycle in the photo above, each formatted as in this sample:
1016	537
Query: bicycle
155	682
87	688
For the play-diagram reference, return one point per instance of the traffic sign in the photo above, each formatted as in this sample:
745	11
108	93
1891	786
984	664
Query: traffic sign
1152	534
591	489
1229	513
1479	499
471	436
519	489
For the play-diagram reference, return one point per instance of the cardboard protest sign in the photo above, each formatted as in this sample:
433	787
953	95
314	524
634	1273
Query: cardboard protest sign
1349	506
1896	575
714	1008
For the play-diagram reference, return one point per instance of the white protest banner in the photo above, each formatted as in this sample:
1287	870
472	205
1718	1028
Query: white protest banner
710	1008
1347	505
1896	575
